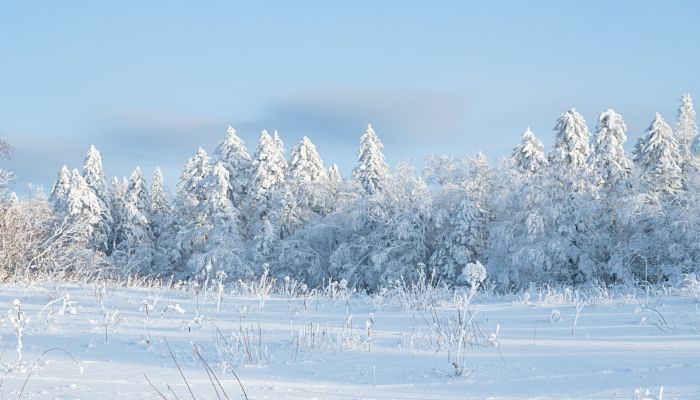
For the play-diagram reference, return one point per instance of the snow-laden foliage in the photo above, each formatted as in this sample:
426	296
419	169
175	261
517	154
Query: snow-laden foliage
6	176
233	155
571	142
610	162
94	177
686	128
133	249
371	171
582	214
528	156
657	156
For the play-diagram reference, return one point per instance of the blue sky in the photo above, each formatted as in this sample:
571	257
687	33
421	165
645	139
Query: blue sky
148	82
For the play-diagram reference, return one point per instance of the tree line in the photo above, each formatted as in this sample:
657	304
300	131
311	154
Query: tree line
586	211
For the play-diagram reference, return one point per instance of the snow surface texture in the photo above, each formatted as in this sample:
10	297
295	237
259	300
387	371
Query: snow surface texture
337	344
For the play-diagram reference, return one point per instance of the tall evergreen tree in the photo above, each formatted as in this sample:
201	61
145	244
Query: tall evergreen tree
94	177
159	207
232	153
334	174
528	156
305	164
371	171
656	154
571	143
268	172
686	129
83	206
134	253
59	192
609	159
221	247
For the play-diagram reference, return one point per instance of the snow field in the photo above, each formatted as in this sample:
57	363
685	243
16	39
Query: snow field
107	340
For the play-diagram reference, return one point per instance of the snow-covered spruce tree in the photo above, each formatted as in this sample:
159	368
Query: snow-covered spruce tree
267	188
571	143
610	163
59	193
221	249
268	174
656	155
95	179
378	239
232	153
567	210
686	131
159	206
528	156
334	175
118	190
134	252
164	226
281	154
191	225
83	206
305	164
309	191
460	219
371	170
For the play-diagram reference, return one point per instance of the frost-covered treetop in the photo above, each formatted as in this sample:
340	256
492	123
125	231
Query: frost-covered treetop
609	159
528	156
159	200
196	169
82	203
657	155
305	164
571	144
232	151
334	174
686	127
94	174
268	172
371	170
138	191
61	187
218	188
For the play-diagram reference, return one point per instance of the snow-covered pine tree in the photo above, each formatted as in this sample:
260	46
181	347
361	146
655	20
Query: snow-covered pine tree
571	143
610	162
82	205
189	188
118	190
371	171
59	193
94	177
134	253
528	156
686	129
222	248
267	191
281	154
309	191
159	206
232	153
657	157
191	223
305	164
334	174
268	173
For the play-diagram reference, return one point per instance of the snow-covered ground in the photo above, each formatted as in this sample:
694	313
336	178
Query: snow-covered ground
102	345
